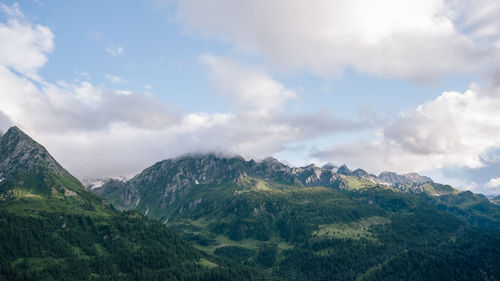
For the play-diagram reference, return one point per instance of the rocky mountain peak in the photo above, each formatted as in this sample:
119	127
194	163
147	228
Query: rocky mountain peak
360	173
270	161
416	178
19	152
410	178
331	167
343	170
268	166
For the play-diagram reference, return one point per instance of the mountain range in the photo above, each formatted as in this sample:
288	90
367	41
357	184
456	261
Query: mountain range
158	189
215	217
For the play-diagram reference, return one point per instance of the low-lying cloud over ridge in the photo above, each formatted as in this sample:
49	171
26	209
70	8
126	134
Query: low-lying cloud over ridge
99	132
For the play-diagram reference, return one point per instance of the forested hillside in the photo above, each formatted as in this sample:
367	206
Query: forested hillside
354	227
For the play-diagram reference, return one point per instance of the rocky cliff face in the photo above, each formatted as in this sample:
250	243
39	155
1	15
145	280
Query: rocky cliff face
317	176
169	181
361	174
20	153
174	177
411	178
30	173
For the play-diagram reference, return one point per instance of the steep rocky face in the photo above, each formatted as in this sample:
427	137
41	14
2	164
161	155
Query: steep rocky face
171	182
28	170
359	173
416	178
271	169
343	170
20	153
391	177
411	178
172	178
313	176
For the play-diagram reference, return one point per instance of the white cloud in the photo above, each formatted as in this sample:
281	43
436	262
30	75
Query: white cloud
420	40
455	129
455	123
249	89
124	149
491	187
472	186
24	46
115	51
115	79
98	132
5	123
59	108
493	183
479	17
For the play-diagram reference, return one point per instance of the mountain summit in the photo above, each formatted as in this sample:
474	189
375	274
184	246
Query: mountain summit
394	178
20	153
29	175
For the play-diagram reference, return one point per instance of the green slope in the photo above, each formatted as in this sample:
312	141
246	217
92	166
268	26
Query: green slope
353	229
31	179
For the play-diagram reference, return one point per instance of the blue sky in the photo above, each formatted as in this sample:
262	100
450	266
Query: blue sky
122	85
155	50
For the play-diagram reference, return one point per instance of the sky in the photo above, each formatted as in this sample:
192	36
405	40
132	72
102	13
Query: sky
109	88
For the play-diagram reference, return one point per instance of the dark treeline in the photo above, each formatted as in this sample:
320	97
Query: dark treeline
57	246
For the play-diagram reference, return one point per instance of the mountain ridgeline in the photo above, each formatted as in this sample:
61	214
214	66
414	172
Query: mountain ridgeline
318	223
160	188
209	217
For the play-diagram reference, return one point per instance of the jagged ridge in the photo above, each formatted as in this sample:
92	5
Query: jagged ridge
168	181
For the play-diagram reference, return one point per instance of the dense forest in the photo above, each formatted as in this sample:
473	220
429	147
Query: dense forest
57	246
423	246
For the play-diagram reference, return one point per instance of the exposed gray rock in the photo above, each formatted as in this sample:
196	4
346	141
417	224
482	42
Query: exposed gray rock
343	170
411	178
171	180
20	153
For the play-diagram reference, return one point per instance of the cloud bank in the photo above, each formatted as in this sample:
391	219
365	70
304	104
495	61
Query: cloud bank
419	40
98	132
455	129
